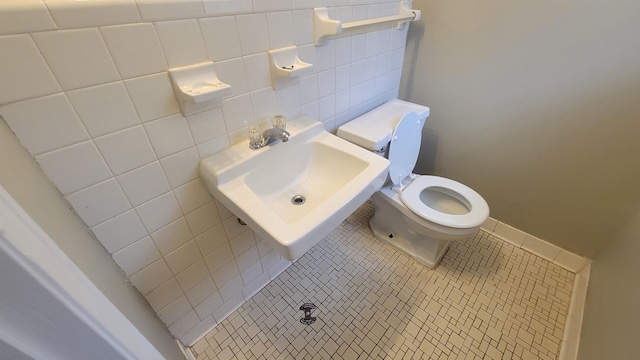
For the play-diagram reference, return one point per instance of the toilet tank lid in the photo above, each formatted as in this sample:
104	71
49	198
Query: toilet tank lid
373	130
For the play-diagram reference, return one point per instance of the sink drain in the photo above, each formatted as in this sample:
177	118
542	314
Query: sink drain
298	200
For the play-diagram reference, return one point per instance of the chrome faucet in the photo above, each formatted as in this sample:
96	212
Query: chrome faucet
269	136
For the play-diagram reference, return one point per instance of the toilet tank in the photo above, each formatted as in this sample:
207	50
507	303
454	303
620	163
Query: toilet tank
373	130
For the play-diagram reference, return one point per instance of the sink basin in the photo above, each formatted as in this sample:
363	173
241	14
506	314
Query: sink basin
293	194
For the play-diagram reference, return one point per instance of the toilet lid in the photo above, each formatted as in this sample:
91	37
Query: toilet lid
405	146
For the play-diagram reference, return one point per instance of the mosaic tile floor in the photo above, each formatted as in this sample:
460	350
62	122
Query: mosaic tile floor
486	300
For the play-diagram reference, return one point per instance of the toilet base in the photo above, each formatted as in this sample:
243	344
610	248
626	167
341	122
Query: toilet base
424	249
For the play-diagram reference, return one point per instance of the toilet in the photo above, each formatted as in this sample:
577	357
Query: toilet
418	214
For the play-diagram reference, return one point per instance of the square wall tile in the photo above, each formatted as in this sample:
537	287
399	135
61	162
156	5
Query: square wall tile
231	289
172	236
78	58
152	96
201	291
256	285
232	72
209	305
303	26
226	274
45	123
237	112
220	7
233	227
257	67
203	218
135	49
23	66
144	183
99	202
218	258
183	257
253	271
182	42
74	167
151	276
253	32
193	275
159	212
196	332
308	88
152	10
212	146
183	325
126	149
192	195
248	259
212	240
21	16
221	47
242	242
289	100
164	294
169	135
120	231
70	14
174	311
229	306
207	125
272	5
136	256
105	108
265	104
326	83
181	168
326	56
281	30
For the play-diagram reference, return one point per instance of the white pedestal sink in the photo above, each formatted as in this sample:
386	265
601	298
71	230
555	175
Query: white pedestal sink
293	194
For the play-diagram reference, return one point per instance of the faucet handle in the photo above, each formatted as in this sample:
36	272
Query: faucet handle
279	121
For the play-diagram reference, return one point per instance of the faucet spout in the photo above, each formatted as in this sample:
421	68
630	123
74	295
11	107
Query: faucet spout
276	134
270	136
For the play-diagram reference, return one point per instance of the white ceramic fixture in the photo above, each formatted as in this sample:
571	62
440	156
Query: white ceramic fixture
419	214
198	88
286	67
293	194
324	27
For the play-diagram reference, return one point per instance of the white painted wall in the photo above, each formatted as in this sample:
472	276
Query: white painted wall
612	315
534	104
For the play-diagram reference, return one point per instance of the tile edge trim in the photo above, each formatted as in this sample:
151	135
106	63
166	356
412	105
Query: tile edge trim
491	224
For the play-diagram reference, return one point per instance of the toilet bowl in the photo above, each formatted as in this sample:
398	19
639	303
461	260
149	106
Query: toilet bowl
418	214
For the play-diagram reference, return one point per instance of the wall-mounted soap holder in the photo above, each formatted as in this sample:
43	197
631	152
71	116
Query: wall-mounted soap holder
286	67
198	88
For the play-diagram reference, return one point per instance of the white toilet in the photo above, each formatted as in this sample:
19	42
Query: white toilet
419	214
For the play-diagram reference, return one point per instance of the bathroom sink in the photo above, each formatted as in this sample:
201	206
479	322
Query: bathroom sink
293	194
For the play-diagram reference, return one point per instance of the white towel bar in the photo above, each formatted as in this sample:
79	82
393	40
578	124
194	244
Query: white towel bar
323	26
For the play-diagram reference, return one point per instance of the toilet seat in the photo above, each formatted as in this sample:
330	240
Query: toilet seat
478	207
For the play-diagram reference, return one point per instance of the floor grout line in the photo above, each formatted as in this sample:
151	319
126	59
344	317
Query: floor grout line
487	299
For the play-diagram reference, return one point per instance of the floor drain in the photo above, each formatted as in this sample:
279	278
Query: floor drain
298	200
307	319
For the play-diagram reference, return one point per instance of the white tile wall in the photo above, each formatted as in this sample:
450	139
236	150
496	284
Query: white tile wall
84	86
